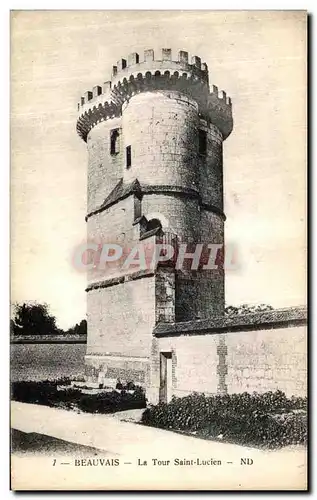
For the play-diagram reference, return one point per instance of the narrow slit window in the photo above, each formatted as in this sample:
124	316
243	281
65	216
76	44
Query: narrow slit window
114	142
202	142
137	208
128	156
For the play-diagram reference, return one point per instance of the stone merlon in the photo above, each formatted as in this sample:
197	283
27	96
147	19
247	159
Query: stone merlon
131	75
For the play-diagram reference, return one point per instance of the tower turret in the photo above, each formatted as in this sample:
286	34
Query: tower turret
154	136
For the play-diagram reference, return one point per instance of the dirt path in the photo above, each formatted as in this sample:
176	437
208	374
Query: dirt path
148	458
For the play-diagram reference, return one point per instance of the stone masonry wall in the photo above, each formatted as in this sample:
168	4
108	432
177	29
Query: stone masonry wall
162	129
212	227
179	215
255	360
46	361
114	226
212	283
104	169
121	318
165	295
266	360
194	365
120	324
107	369
211	168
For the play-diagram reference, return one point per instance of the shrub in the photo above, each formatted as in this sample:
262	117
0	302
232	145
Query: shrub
63	381
129	386
110	402
46	393
43	393
252	419
119	385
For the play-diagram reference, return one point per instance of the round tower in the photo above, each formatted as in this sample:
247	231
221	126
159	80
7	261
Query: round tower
154	136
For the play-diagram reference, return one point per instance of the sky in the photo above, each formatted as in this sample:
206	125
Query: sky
258	58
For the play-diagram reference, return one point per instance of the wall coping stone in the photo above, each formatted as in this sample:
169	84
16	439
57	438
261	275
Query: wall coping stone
276	318
48	339
118	280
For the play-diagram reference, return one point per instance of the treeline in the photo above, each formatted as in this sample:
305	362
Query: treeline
36	319
247	309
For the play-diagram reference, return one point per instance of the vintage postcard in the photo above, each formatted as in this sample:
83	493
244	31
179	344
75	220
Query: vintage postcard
158	230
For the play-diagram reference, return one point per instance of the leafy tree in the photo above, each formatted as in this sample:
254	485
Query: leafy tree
78	329
246	309
12	324
33	319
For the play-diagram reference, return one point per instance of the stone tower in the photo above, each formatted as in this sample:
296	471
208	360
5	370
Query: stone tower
154	136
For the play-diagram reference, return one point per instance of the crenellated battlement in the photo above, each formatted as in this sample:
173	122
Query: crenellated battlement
131	76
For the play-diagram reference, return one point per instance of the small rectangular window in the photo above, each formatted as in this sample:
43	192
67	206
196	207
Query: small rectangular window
114	141
202	142
128	156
